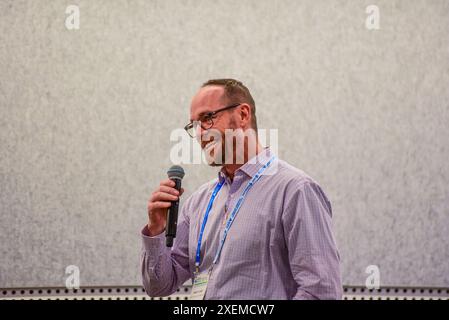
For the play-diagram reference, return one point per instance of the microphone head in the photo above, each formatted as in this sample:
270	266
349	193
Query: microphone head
175	172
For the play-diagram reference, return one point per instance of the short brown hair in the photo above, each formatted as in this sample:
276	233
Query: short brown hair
236	92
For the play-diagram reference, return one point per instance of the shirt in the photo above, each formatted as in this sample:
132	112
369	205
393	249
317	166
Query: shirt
280	245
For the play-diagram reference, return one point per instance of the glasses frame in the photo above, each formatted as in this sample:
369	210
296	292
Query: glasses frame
209	118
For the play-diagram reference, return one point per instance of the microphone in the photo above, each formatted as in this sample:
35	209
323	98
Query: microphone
175	173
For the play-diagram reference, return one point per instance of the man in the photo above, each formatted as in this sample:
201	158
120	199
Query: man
275	243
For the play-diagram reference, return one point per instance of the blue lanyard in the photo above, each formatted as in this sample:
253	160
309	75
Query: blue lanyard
206	215
232	216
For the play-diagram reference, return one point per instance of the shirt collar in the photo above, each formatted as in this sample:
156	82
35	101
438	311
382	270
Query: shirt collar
252	166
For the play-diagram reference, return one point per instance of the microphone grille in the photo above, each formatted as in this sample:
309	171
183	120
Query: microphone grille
175	172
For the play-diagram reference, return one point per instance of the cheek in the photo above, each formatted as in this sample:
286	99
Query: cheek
232	123
228	123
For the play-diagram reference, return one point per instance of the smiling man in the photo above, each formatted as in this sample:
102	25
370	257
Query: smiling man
260	230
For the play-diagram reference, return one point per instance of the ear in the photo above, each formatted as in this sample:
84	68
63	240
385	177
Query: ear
244	114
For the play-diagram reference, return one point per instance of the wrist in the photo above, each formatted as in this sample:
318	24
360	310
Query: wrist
154	230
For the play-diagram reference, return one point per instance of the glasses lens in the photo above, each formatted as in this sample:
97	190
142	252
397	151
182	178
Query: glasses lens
190	130
196	128
193	127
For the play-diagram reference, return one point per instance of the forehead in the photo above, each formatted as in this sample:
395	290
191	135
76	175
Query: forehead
206	99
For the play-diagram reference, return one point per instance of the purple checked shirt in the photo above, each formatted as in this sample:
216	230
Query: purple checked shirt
280	245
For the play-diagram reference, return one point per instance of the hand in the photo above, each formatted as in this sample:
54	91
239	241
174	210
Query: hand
158	205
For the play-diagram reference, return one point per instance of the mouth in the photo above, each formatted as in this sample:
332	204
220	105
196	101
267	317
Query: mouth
209	146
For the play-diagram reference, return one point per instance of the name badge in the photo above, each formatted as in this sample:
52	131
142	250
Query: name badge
199	286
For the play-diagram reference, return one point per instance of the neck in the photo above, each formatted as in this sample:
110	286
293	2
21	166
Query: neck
230	169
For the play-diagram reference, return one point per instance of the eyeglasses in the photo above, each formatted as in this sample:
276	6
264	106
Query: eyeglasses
206	120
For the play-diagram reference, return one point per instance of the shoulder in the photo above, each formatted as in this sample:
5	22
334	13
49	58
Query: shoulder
290	178
297	185
291	175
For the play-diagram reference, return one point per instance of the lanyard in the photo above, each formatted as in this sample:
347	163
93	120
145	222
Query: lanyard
231	217
203	225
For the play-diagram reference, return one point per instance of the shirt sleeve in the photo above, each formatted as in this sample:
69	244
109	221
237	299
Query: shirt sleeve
312	251
165	269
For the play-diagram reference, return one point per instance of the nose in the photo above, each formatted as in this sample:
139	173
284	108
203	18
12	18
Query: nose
198	129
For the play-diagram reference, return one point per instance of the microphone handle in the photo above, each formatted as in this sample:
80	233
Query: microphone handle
172	217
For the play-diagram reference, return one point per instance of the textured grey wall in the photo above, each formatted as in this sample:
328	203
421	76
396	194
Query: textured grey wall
86	116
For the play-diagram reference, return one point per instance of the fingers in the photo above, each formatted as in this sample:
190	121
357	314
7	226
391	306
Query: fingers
169	190
158	205
162	196
167	186
165	193
168	183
